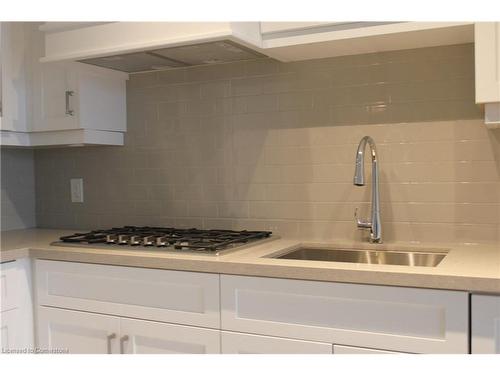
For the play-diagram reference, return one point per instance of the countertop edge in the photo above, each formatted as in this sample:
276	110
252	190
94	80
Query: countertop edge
471	284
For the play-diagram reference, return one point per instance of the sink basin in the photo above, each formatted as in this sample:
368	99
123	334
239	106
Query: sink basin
387	257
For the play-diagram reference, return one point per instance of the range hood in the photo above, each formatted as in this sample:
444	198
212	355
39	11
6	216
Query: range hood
175	57
143	46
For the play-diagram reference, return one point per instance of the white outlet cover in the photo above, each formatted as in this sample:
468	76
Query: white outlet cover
76	190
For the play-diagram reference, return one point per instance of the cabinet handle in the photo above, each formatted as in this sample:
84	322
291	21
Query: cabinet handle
69	111
109	338
123	340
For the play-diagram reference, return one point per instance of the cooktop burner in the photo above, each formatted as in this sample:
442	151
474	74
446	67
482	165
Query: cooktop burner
212	241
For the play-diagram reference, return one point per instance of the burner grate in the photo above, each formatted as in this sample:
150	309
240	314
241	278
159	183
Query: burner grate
193	239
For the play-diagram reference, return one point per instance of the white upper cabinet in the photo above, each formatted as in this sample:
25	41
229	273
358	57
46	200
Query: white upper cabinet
13	77
56	104
266	28
284	41
487	55
76	96
293	41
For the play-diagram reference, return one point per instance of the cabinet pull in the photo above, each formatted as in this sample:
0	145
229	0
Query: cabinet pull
123	340
69	111
109	338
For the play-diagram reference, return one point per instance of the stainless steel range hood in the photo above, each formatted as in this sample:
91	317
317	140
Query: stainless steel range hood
174	57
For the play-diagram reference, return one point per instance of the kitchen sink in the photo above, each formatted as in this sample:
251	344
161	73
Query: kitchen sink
386	257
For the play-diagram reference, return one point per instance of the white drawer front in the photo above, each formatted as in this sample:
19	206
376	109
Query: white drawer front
242	343
162	295
393	318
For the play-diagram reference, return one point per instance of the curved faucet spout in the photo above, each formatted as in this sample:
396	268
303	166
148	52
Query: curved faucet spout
375	225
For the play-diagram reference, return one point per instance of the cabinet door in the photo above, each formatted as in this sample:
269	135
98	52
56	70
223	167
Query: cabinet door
487	61
485	322
13	85
102	99
342	349
180	297
8	324
144	337
77	332
16	303
241	343
55	98
392	318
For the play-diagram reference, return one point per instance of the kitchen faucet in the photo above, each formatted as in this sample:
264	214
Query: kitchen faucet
375	225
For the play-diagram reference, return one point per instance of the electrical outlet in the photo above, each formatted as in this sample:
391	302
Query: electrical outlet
76	190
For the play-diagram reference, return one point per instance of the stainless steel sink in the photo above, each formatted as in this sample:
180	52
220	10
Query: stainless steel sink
387	257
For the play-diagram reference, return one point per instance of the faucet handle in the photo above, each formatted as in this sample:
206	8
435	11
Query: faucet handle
361	223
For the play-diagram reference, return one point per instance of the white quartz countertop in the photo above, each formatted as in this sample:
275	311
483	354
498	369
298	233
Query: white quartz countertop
474	268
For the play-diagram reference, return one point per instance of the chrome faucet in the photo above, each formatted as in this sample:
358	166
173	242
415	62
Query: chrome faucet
375	225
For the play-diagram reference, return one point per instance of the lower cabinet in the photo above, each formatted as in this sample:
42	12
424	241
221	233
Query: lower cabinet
89	308
407	320
485	324
76	332
241	343
16	309
244	343
341	349
143	337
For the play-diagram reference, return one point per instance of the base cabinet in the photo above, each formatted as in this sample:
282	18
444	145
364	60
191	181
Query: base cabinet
90	308
16	310
342	349
142	337
390	318
485	324
76	332
241	343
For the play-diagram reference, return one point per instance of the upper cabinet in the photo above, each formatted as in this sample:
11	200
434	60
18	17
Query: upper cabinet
76	96
57	104
292	41
161	45
13	69
487	55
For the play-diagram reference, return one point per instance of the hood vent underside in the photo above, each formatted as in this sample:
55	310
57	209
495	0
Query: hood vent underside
176	57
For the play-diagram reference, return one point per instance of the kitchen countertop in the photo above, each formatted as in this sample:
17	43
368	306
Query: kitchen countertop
474	268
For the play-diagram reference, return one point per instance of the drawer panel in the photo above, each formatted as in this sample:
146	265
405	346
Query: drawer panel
162	295
393	318
242	343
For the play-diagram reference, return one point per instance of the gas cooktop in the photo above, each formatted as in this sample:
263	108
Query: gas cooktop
213	241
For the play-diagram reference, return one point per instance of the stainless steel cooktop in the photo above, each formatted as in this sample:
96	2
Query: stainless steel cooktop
199	241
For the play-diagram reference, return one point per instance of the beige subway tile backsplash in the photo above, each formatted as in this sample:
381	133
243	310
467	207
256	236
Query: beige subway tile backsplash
264	145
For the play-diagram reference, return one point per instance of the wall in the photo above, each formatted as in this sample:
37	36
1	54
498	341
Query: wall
268	145
18	189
